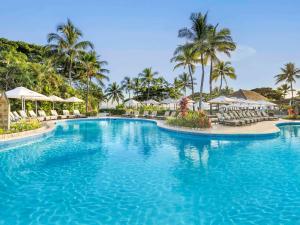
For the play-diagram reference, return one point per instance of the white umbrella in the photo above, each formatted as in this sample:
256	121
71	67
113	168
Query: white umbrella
204	105
222	100
169	101
73	99
108	105
55	98
150	102
26	94
131	103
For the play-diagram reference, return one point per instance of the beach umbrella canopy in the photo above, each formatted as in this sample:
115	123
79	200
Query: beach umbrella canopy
54	98
169	101
150	102
25	93
108	105
204	105
221	100
265	103
131	103
74	100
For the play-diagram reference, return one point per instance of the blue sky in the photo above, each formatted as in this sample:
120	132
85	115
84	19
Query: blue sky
134	34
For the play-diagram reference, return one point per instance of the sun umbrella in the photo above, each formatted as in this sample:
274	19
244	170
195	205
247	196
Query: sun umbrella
131	103
151	102
221	100
55	98
26	94
74	100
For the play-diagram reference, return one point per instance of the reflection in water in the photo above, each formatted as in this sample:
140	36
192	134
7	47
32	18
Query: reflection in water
132	172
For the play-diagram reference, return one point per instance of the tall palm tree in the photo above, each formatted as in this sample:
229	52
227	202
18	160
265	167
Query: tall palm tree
197	35
289	74
184	82
66	43
136	82
284	89
147	78
114	92
218	41
127	85
92	68
222	71
186	56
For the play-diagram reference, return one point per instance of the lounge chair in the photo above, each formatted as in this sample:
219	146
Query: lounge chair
12	117
136	113
17	116
145	114
167	113
253	115
153	114
235	117
34	116
54	113
67	114
23	114
76	113
43	114
247	120
269	117
127	113
243	115
231	120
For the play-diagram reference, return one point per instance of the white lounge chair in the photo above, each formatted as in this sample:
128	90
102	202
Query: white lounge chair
43	114
23	114
34	116
67	114
76	113
54	113
17	116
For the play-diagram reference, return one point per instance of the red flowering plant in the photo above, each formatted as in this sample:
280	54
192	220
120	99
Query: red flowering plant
184	106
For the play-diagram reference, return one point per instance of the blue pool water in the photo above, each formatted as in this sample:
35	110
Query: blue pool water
132	172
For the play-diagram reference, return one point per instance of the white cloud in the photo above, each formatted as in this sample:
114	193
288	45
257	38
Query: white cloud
242	52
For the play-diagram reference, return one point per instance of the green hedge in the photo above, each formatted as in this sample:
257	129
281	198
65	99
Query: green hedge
22	125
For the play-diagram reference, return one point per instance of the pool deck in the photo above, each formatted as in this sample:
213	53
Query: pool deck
261	128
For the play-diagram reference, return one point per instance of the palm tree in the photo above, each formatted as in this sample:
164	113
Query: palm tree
136	82
127	85
67	44
284	89
289	74
222	71
92	68
114	92
185	56
184	82
147	78
218	41
197	35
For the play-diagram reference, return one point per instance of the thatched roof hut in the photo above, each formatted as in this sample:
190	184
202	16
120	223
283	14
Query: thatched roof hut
248	95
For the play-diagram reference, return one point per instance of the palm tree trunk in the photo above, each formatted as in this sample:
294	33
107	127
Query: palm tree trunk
210	83
148	92
87	95
192	82
292	93
70	73
129	94
221	84
202	81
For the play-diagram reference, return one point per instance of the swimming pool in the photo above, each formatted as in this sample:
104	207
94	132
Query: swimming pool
133	172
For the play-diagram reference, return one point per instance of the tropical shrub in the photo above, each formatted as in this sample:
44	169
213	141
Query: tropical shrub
184	106
22	125
191	119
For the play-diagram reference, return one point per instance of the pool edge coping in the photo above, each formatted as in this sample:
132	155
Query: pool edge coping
49	126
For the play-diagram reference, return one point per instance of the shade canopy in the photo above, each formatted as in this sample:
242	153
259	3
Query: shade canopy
26	94
169	101
266	103
108	105
221	100
55	98
204	105
132	103
151	102
74	100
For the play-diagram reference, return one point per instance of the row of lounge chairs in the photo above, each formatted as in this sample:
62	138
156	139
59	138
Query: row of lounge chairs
42	116
240	118
151	115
